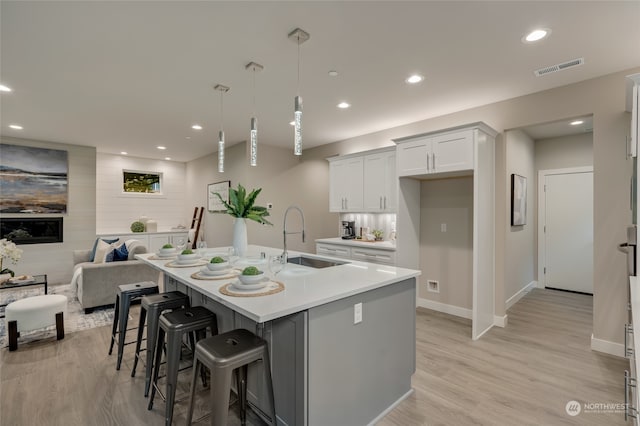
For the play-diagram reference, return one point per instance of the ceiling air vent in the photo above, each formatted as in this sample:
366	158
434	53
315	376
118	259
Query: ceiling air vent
559	67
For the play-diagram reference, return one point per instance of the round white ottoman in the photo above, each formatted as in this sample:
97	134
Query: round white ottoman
35	312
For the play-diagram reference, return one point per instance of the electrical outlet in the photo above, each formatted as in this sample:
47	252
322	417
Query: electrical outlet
357	313
433	286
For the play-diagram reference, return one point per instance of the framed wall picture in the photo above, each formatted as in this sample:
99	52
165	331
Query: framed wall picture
518	200
141	182
33	180
214	205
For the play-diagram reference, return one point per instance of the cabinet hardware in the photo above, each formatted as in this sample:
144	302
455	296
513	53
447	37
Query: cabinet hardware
385	202
380	203
433	159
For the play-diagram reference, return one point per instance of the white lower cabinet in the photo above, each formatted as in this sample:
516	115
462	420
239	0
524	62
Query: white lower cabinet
372	255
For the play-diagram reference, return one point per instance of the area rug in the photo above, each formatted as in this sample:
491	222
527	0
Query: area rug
74	320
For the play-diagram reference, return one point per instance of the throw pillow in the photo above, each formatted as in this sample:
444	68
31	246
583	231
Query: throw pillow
92	257
102	250
120	253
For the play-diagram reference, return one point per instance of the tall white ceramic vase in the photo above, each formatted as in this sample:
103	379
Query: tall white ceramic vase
240	236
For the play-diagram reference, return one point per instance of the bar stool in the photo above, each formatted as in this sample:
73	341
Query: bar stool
223	354
154	305
175	325
124	296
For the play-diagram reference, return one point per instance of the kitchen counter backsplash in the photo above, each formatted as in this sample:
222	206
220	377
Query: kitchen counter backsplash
386	222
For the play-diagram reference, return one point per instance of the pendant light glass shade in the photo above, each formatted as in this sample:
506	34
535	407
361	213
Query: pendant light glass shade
221	152
298	36
222	89
297	123
253	138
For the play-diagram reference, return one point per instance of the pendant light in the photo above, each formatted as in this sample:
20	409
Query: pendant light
222	89
298	36
253	135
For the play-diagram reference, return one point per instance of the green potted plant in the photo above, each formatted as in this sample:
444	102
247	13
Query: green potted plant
242	206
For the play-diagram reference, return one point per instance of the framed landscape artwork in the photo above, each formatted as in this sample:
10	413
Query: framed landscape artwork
214	205
518	200
33	180
137	182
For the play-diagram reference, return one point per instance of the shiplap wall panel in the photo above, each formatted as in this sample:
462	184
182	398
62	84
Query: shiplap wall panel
116	211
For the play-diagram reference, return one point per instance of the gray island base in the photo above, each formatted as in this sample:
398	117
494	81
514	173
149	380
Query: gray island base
327	369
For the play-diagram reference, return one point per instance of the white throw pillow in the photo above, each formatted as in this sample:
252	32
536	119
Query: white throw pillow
103	250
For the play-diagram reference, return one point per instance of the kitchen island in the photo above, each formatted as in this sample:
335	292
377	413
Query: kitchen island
328	368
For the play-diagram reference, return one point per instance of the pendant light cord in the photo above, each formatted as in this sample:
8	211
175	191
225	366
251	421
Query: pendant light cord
298	89
254	91
221	111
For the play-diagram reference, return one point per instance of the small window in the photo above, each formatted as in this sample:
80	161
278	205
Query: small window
134	182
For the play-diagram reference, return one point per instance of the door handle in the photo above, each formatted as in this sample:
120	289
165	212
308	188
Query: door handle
433	157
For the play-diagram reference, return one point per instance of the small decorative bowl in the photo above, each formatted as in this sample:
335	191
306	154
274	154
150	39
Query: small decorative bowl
251	279
218	266
188	257
167	251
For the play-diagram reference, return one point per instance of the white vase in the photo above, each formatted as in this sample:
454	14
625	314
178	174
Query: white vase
240	236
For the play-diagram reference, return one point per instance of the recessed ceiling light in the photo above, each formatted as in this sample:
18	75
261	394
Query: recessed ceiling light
167	158
4	88
292	123
196	127
333	73
415	78
123	152
188	137
576	122
161	147
343	105
15	126
536	35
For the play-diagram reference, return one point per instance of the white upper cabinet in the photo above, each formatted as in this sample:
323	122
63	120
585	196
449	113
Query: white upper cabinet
345	184
365	182
448	152
380	182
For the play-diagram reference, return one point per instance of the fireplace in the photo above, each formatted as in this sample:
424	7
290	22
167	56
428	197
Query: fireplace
32	230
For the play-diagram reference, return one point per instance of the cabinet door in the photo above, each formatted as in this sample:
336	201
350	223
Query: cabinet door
375	181
413	157
157	241
337	175
452	152
390	196
353	184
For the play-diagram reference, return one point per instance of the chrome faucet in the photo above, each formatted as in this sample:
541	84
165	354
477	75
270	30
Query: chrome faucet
284	231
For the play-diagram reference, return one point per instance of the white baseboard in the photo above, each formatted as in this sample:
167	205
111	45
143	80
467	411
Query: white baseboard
500	321
443	307
520	294
540	285
391	407
607	347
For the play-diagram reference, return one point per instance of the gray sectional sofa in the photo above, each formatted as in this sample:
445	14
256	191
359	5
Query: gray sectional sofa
97	282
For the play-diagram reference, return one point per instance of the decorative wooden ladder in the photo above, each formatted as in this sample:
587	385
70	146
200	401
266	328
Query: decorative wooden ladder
195	222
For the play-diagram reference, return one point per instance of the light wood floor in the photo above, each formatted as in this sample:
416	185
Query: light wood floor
521	375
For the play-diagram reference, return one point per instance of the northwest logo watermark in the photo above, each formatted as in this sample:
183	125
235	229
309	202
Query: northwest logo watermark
574	408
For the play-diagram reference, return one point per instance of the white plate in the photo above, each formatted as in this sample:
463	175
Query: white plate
186	262
206	271
244	287
166	256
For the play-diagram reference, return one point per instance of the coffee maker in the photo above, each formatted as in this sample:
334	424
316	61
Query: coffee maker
348	230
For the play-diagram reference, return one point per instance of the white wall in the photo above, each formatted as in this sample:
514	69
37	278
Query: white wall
447	257
55	260
520	244
116	210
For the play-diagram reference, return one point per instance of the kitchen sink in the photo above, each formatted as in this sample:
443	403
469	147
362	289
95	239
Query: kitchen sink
312	262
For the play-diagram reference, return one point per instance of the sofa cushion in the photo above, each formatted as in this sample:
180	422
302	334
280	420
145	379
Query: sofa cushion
95	246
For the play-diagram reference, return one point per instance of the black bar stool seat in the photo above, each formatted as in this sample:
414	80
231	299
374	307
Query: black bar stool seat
174	325
125	294
152	306
223	354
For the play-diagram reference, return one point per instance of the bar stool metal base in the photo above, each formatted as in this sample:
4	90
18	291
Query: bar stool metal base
125	294
223	354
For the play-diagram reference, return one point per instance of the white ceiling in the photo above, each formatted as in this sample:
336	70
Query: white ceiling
133	75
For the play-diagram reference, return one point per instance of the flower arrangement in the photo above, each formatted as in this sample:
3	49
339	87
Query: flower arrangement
9	251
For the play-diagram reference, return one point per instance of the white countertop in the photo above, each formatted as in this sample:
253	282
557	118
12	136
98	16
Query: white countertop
304	287
378	245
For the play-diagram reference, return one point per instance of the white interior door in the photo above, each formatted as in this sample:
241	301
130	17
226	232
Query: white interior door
568	231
